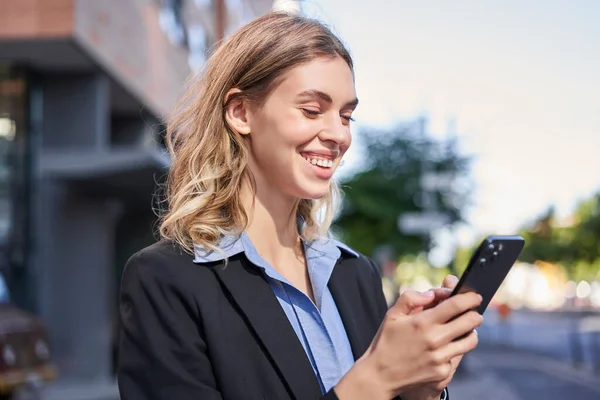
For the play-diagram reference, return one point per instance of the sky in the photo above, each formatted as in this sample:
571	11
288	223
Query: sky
518	82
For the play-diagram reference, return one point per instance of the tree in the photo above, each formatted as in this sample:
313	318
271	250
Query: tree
545	241
586	235
574	243
391	185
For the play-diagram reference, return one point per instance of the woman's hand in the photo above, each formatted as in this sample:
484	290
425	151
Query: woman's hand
431	391
412	353
362	381
444	292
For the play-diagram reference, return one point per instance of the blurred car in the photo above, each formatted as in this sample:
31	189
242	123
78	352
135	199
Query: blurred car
25	358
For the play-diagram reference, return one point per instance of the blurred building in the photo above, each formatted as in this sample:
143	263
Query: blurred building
83	89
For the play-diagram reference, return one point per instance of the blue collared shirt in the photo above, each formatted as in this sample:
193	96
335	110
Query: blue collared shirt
319	326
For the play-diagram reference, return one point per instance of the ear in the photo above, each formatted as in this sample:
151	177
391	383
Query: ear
237	113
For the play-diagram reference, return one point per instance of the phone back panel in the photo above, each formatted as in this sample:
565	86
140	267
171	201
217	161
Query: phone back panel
488	267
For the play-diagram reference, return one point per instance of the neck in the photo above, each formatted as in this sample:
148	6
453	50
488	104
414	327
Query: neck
272	224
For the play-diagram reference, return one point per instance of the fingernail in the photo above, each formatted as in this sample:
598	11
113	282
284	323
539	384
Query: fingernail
427	292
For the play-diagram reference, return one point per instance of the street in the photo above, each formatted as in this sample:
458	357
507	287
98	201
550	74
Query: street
562	335
527	358
496	372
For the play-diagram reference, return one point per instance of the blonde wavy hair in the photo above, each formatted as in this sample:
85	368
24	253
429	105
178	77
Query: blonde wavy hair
209	159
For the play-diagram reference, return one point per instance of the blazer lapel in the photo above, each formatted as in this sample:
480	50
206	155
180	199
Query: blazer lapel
253	295
342	284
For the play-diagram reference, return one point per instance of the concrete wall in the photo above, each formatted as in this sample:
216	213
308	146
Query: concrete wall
75	263
74	233
76	111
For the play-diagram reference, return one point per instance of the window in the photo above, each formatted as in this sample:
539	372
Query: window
171	22
14	171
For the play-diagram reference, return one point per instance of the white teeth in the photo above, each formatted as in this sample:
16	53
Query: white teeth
320	162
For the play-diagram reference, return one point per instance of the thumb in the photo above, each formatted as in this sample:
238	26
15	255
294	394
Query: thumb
410	299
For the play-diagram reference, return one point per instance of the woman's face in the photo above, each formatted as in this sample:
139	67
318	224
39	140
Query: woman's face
300	133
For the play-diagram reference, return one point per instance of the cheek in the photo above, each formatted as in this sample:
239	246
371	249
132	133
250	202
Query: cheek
304	132
346	143
289	129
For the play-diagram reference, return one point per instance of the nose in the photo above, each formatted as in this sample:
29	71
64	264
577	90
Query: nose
335	131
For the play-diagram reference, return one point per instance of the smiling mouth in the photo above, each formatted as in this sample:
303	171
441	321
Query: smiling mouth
318	161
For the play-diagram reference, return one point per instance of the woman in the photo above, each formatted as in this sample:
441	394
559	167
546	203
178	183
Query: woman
245	297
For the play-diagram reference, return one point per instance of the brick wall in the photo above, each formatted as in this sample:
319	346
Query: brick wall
22	19
124	37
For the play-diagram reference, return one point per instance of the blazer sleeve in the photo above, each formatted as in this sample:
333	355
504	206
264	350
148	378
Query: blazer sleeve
378	290
162	354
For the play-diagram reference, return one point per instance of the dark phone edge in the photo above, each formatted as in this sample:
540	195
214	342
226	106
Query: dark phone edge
477	253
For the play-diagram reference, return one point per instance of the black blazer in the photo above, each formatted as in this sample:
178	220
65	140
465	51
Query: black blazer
210	332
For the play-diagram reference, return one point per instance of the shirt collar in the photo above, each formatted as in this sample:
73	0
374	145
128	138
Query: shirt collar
230	246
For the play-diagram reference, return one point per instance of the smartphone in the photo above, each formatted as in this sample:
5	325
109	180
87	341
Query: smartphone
488	267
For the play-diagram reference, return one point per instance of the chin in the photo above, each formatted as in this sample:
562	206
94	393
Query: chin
314	192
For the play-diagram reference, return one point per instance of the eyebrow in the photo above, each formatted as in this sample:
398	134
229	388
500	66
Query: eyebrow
325	97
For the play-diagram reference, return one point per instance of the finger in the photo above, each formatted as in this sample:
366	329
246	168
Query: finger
410	300
455	361
458	348
453	307
463	325
440	294
450	282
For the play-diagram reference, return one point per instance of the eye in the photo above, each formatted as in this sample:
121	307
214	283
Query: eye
348	118
311	112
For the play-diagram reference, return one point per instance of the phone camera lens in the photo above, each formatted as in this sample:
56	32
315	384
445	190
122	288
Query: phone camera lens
491	247
482	261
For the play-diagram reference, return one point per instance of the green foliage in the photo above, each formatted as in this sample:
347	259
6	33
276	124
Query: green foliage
575	244
390	186
544	241
587	234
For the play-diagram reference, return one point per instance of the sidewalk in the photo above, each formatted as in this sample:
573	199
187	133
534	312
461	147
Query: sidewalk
96	391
